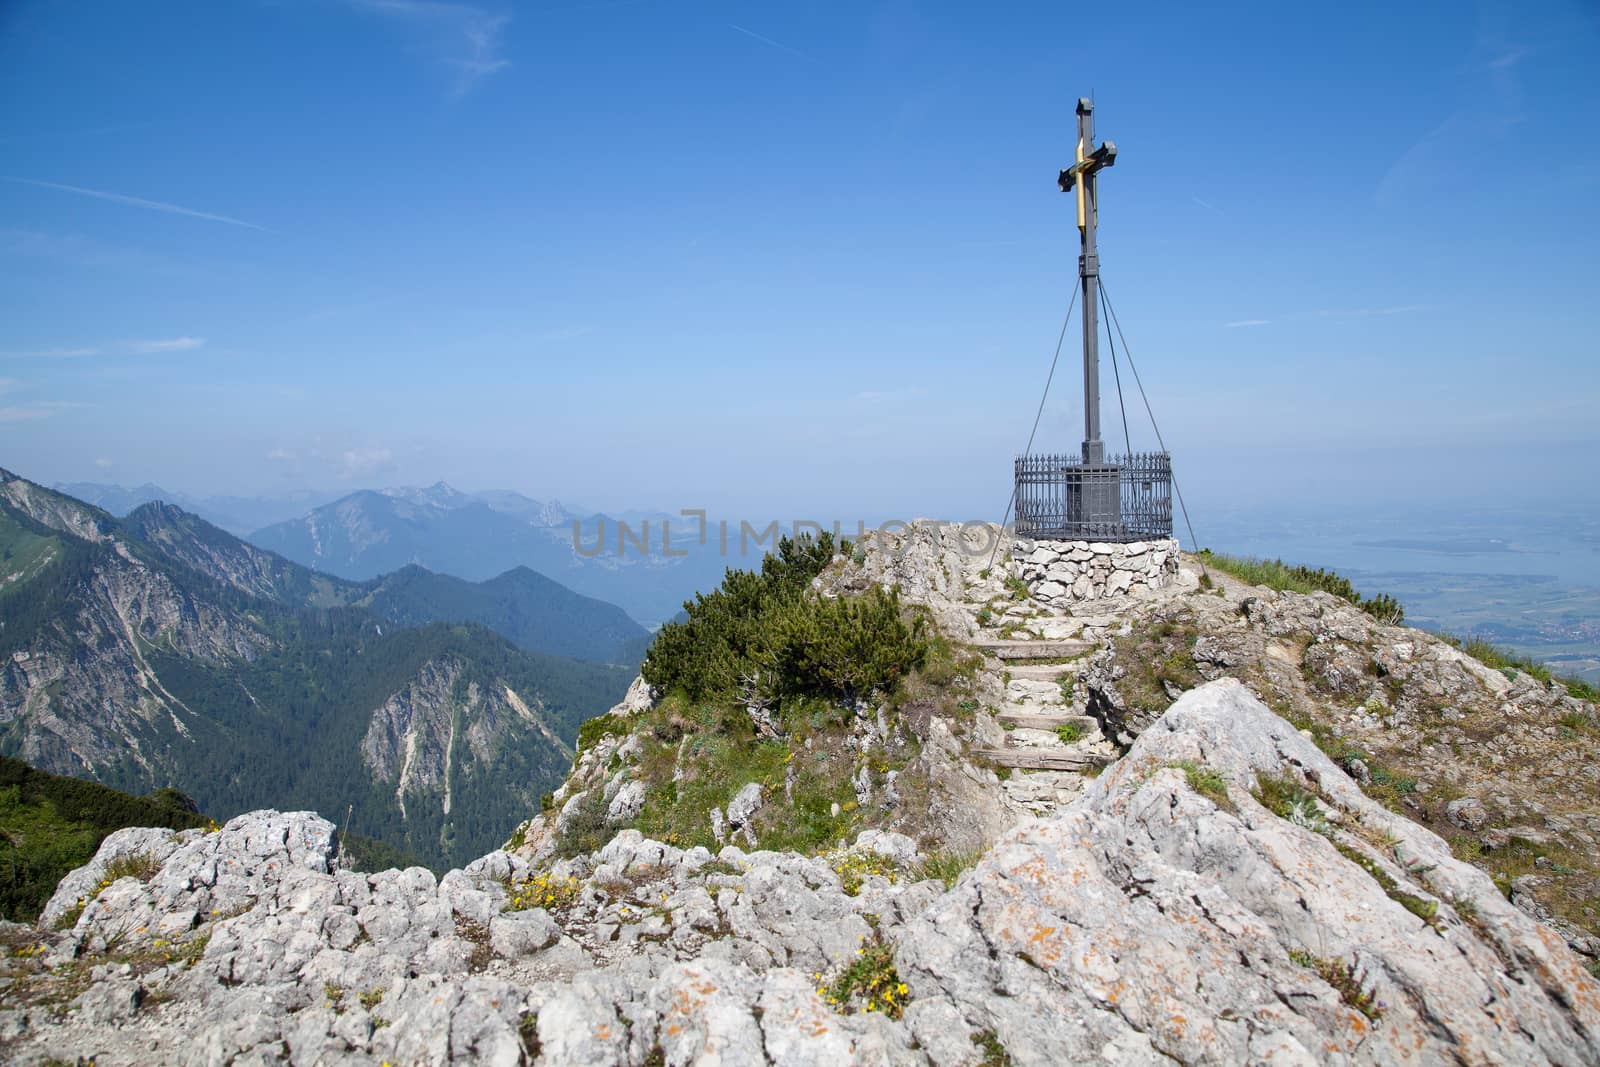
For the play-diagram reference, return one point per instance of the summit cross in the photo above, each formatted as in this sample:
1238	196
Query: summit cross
1081	177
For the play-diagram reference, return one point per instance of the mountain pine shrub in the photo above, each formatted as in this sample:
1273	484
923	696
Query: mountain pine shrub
767	635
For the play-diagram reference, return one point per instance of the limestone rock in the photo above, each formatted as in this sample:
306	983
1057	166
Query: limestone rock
1467	813
522	933
1155	921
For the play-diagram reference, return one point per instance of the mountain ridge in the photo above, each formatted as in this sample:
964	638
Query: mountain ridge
371	532
161	650
862	859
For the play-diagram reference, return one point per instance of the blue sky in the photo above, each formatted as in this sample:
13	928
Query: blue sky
804	259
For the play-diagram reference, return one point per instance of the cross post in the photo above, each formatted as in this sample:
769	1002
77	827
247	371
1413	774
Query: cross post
1081	178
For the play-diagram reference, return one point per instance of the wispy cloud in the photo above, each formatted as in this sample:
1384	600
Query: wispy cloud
155	346
561	333
170	344
1208	205
1373	313
51	353
140	202
1509	58
464	37
6	385
365	462
769	41
39	409
1246	322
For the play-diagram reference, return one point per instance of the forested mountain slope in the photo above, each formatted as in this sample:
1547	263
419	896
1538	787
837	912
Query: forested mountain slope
529	609
161	651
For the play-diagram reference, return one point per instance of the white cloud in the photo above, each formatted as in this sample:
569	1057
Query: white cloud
365	462
464	37
1510	57
6	385
141	202
170	344
53	353
561	333
1247	322
39	409
103	463
143	348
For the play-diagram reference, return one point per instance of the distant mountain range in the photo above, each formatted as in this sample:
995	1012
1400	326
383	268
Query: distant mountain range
527	608
159	650
475	536
236	514
478	536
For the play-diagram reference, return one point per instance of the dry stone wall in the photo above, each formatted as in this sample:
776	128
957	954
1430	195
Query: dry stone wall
1067	572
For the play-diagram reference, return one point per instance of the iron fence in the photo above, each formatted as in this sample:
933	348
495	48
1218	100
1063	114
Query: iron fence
1126	498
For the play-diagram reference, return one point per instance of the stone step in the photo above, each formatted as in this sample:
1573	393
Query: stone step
1044	672
1043	759
1028	691
1012	651
1027	718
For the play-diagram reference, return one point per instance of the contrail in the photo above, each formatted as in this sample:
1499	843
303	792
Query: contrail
136	201
769	40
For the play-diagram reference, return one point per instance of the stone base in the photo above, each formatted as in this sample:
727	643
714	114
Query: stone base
1071	572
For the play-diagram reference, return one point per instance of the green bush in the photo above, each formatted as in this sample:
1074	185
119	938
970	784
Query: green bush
846	647
725	634
766	634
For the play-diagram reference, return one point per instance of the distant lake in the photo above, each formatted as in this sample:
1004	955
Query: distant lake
1562	547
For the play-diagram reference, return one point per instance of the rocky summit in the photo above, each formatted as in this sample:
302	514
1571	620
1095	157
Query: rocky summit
1174	826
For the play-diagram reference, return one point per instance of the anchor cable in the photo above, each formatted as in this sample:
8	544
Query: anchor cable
1153	425
1060	340
1127	442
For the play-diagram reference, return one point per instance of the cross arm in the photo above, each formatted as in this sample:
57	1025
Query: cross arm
1100	158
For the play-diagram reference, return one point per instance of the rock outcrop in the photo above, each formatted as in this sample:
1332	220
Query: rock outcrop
1223	894
1416	721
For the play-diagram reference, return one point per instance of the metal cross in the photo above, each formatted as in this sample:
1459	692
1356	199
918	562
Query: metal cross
1081	176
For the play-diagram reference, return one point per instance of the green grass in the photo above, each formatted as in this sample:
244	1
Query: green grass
1157	657
1070	732
1504	660
869	983
592	731
23	553
766	636
1288	799
1206	781
697	755
994	1053
947	867
1342	977
1291	578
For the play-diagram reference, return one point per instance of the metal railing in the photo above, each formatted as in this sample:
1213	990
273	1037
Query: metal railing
1126	498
